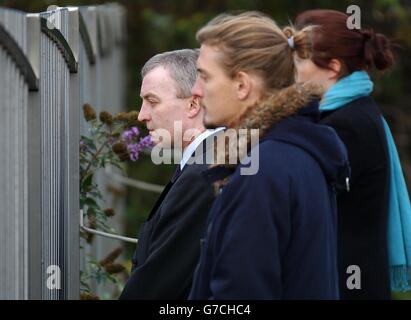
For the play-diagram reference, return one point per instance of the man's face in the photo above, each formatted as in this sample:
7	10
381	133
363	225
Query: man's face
161	108
215	89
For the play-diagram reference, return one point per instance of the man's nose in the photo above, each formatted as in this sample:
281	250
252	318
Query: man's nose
196	90
143	114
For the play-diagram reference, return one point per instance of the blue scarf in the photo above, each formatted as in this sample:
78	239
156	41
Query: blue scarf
350	88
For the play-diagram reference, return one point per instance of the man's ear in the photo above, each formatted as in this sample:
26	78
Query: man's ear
335	68
194	107
243	84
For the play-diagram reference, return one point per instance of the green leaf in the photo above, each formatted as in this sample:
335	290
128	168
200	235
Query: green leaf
96	194
87	182
91	212
112	278
116	163
89	142
82	202
91	203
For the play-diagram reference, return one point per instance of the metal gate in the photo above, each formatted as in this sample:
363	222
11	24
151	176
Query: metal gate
50	64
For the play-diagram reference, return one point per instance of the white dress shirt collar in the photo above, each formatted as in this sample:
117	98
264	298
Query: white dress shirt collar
191	148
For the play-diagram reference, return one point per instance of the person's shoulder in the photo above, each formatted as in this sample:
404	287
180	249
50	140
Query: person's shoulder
271	163
279	155
362	113
191	194
192	180
358	124
194	170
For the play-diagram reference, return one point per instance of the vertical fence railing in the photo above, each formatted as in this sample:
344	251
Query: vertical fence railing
49	67
14	87
103	85
59	144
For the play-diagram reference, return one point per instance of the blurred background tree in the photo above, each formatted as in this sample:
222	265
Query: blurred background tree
157	26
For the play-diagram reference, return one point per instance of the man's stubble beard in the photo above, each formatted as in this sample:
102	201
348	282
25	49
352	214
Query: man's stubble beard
208	125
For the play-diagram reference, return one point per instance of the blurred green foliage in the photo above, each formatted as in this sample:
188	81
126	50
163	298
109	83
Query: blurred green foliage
157	26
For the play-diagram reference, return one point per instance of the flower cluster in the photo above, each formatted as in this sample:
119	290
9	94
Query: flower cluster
119	133
129	135
132	144
111	139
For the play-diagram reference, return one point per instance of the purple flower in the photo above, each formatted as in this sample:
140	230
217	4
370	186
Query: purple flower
134	147
146	142
133	150
128	135
135	131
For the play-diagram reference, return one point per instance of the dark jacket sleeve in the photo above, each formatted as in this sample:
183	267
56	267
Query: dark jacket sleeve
175	242
250	236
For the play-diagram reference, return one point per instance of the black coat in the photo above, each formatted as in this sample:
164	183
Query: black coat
169	241
362	213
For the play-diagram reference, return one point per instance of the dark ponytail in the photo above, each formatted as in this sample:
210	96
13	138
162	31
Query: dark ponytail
378	51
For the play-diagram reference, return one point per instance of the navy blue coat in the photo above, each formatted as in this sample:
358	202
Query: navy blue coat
272	235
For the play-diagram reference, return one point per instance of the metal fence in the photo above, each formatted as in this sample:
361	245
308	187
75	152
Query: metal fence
51	63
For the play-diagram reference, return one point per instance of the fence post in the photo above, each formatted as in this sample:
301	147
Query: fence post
34	164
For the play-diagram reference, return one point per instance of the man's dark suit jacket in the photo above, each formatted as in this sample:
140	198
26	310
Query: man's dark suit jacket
168	248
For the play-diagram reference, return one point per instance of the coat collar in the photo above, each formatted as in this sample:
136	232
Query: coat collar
296	100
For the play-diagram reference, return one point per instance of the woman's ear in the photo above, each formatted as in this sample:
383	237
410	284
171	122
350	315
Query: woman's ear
194	107
335	69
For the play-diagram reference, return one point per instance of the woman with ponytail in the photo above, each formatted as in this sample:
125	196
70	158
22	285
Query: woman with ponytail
374	218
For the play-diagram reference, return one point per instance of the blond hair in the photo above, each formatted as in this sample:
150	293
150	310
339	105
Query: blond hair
253	42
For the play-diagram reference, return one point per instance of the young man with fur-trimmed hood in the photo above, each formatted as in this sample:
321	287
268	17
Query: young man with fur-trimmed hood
271	234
